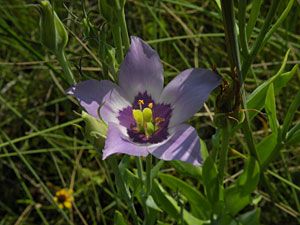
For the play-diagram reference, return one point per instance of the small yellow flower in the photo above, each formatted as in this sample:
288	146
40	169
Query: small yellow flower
64	198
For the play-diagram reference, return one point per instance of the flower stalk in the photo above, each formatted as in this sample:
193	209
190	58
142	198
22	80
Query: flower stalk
123	190
234	56
61	57
148	175
55	37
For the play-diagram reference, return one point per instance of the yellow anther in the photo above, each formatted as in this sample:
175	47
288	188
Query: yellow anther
159	120
150	105
141	102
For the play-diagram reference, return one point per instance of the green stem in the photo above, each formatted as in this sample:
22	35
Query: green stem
143	195
123	25
65	66
233	52
225	134
231	35
123	190
259	40
242	30
246	128
139	166
148	174
116	31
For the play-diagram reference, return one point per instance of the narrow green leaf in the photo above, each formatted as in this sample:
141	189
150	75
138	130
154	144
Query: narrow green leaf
119	219
187	169
257	98
204	152
132	181
293	136
270	107
235	201
290	114
278	21
211	180
200	207
218	2
255	9
248	218
169	205
250	177
266	147
151	204
163	200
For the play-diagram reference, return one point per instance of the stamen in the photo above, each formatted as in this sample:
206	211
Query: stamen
158	120
150	105
141	102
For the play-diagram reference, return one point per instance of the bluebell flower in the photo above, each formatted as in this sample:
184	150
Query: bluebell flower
142	116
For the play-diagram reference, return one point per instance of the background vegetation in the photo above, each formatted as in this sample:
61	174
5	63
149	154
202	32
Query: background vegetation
42	143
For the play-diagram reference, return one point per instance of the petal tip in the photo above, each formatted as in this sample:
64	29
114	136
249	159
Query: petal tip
70	90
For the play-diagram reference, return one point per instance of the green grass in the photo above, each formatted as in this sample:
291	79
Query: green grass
42	143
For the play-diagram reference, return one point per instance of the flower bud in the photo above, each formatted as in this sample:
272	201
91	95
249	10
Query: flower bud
95	130
53	33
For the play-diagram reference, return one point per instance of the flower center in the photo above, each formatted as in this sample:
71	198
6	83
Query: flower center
146	120
143	118
61	198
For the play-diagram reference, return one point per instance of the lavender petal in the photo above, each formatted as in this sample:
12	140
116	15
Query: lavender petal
118	142
187	93
90	94
183	144
113	102
141	71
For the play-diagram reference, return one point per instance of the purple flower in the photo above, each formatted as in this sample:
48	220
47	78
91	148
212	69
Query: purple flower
142	116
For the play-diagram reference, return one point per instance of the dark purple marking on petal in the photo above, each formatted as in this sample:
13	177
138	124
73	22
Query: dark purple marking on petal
126	118
162	111
145	97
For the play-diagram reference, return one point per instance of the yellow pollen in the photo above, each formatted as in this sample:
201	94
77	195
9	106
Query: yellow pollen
150	105
159	120
141	102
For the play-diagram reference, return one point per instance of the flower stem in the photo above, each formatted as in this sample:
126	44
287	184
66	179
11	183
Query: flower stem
233	53
148	175
225	134
148	184
116	31
123	25
260	40
65	66
231	35
123	190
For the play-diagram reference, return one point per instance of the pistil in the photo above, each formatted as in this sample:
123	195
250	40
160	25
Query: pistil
144	119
